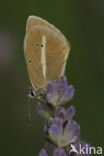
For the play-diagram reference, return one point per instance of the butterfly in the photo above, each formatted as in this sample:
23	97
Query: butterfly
46	51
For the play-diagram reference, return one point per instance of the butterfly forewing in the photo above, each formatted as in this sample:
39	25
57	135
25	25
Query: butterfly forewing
46	51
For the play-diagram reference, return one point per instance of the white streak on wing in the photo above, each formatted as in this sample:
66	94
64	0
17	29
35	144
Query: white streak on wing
43	55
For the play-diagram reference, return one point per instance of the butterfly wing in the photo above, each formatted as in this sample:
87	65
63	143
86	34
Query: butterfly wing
46	51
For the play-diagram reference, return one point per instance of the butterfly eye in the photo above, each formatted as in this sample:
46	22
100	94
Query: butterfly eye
37	44
42	45
32	93
29	61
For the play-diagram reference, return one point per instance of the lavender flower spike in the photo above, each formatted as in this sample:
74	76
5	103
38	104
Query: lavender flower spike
58	92
61	131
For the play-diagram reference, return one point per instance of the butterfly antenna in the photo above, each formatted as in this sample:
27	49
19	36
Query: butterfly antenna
28	112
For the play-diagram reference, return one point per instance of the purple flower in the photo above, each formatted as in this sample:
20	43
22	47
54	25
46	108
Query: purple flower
57	152
55	131
62	135
48	124
65	114
61	112
80	148
49	147
70	112
43	110
58	92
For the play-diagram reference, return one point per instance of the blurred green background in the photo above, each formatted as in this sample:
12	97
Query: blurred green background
82	22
